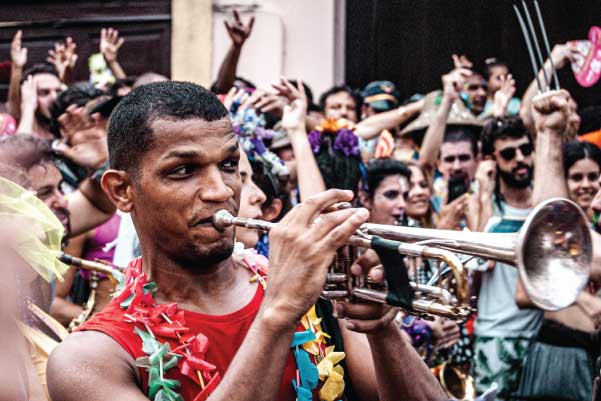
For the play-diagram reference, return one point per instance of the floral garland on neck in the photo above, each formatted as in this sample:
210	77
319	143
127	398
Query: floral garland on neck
135	295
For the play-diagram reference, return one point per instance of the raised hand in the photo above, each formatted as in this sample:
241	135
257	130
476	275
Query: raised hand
29	94
504	95
461	61
110	43
551	111
18	54
301	252
562	54
239	31
63	57
83	141
295	114
453	82
267	102
485	175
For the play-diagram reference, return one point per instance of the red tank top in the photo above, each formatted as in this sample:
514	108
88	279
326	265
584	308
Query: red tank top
225	334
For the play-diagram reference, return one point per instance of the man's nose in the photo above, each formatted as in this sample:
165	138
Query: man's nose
214	188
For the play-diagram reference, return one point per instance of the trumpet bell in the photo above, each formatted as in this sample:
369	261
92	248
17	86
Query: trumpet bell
555	249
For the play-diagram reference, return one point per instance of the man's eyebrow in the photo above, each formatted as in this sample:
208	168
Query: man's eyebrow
233	148
182	154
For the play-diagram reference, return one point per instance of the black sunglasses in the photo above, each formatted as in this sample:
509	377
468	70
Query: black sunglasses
510	152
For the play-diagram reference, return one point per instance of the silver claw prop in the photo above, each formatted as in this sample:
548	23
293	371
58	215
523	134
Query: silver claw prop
530	36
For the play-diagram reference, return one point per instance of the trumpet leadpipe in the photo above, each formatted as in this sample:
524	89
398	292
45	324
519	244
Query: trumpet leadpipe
89	265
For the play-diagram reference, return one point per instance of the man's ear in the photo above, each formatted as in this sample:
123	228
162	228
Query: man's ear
118	186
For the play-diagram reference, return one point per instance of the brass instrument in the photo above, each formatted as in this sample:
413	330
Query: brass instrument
340	284
552	251
95	268
456	383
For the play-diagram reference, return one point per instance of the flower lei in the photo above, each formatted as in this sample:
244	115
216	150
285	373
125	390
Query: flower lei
165	320
345	140
135	295
250	129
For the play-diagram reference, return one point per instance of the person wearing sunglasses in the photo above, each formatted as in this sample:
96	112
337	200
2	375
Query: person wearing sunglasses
503	332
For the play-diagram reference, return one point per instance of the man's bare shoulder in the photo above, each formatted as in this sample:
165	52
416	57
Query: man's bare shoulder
91	365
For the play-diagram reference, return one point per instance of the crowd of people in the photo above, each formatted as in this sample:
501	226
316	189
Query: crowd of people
133	170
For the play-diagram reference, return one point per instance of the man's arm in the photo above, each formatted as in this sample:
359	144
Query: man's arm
373	125
238	33
396	371
18	56
29	104
550	111
434	136
309	178
110	43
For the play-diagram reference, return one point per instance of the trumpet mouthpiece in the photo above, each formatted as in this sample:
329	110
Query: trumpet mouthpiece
222	219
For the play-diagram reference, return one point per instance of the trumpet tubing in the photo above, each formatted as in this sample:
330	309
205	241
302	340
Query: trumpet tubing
340	284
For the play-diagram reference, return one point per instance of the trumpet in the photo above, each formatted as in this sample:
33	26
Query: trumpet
340	284
552	251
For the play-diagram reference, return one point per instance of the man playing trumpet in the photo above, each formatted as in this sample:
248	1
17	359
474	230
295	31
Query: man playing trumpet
204	330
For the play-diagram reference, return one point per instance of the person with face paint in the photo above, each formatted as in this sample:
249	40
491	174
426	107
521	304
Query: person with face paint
503	332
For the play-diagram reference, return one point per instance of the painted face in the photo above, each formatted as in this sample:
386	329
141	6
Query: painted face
341	105
514	161
583	183
389	200
251	200
189	173
457	159
418	202
46	182
48	88
494	80
475	91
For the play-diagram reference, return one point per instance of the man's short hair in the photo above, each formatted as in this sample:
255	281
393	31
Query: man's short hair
463	133
15	174
337	89
130	132
40	68
379	169
25	151
502	128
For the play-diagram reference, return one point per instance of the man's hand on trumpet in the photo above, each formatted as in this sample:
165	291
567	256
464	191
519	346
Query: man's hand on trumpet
302	252
367	317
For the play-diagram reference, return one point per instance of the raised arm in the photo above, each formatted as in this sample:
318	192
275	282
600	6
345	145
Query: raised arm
18	56
110	43
550	111
238	32
29	104
452	83
310	181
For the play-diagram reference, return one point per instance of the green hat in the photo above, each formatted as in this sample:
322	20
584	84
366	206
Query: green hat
380	95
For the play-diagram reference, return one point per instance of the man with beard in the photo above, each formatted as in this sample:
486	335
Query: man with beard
80	211
503	332
174	159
